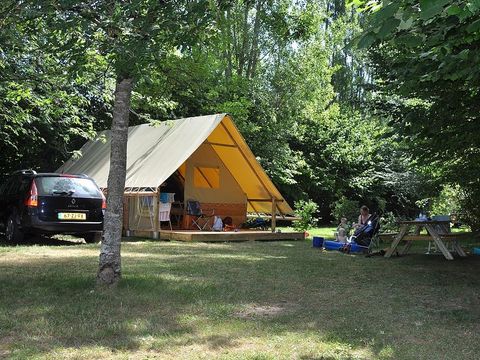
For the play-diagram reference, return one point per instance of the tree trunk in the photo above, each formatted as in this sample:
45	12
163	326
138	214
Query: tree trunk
244	48
109	270
253	58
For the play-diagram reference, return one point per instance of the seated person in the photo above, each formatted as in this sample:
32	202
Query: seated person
343	228
341	236
228	224
363	217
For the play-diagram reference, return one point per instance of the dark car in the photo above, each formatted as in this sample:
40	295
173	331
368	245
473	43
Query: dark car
32	203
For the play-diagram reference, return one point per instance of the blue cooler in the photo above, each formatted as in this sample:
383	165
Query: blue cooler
476	251
332	245
317	241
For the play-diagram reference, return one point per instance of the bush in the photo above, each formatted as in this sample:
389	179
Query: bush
306	211
346	208
469	212
389	222
448	201
462	203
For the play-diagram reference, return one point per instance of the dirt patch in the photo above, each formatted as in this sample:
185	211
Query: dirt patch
5	344
263	311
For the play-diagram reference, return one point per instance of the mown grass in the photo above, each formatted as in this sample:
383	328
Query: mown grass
251	300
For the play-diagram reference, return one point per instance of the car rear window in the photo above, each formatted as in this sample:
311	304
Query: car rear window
67	186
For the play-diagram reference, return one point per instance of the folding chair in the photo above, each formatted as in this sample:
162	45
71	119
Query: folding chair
164	213
199	219
366	236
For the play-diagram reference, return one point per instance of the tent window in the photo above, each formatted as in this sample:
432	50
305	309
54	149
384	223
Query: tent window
206	177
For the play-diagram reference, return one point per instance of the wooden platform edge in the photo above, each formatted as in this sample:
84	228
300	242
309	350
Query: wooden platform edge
229	236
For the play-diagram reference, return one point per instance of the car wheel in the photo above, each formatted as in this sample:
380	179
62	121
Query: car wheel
92	238
12	231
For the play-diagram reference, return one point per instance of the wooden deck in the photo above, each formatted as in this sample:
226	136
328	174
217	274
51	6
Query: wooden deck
218	236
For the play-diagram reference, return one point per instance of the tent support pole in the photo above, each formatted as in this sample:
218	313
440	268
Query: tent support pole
254	209
126	215
156	199
274	214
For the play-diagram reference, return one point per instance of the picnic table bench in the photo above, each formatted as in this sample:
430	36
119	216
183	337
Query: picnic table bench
437	231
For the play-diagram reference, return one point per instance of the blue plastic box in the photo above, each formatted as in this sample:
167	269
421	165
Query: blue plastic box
476	251
332	245
354	248
317	241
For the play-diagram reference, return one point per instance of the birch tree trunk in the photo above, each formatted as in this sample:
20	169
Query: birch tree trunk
109	270
253	58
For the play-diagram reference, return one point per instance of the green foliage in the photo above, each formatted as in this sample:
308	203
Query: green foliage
428	70
462	203
306	210
283	70
347	208
470	208
447	202
43	109
389	222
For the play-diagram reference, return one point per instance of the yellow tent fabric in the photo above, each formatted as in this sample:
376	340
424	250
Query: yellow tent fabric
156	152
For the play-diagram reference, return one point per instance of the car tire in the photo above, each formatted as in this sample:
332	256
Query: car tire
12	230
92	238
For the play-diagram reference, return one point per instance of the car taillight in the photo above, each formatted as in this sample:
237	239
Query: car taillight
32	199
104	202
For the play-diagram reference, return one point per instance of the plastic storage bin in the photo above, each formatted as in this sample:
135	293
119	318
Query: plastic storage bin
476	251
317	241
332	245
354	248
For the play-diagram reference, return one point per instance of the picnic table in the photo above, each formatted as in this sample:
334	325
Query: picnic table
437	231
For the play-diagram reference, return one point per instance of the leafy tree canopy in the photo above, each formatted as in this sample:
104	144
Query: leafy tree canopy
427	63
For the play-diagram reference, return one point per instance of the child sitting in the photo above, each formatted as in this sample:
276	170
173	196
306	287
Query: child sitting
343	230
342	236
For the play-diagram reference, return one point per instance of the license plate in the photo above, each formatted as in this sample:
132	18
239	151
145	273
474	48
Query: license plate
72	216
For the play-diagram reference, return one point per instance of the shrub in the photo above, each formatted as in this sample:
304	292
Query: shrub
448	201
306	210
346	208
462	203
469	212
389	222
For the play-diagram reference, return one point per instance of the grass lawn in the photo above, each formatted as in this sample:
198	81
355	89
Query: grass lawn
325	232
251	300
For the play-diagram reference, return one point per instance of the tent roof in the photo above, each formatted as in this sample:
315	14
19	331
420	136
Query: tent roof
156	152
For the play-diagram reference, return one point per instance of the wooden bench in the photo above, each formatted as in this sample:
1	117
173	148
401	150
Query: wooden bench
425	237
386	237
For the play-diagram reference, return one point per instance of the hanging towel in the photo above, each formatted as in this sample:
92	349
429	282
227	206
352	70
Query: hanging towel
164	198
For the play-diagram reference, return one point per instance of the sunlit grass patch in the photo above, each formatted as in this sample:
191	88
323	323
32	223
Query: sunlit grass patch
273	300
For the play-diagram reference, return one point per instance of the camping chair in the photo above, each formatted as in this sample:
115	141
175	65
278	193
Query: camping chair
164	213
366	236
199	219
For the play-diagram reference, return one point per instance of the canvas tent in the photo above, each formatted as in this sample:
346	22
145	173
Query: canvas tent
203	158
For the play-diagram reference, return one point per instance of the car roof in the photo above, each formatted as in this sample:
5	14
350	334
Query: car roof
61	175
33	173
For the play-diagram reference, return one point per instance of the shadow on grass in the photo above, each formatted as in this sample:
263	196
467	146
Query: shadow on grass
222	296
42	240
